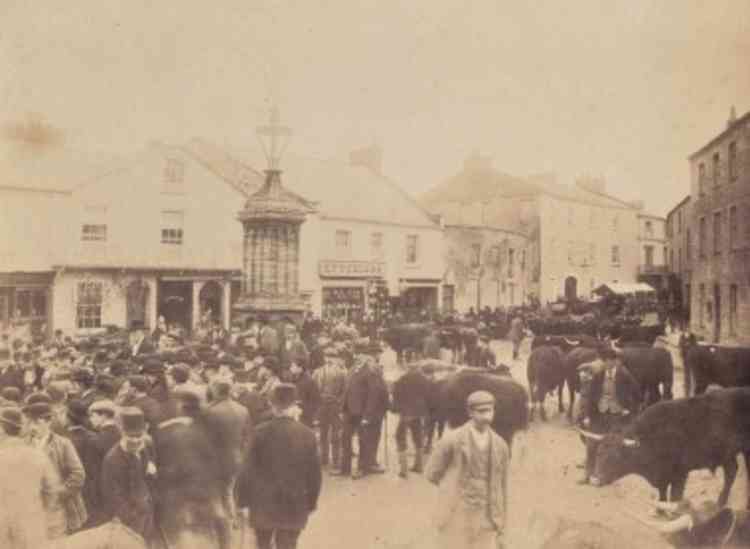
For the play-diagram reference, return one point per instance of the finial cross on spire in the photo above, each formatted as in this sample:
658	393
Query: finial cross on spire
275	138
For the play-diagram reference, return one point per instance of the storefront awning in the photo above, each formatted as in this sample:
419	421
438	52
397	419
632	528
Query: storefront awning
621	288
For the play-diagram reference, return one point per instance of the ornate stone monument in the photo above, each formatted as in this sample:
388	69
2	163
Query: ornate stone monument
271	220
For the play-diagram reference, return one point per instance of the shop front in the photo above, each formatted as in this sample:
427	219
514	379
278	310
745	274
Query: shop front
346	288
418	298
24	304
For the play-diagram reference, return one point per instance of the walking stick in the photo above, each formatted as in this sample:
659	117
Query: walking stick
385	445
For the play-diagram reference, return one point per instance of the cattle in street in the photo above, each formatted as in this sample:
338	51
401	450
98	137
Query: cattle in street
668	440
718	365
635	334
546	371
652	367
566	342
511	401
405	339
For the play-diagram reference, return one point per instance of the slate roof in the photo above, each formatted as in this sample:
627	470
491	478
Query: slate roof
340	190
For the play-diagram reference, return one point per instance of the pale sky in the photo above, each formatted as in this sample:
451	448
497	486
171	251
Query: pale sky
624	89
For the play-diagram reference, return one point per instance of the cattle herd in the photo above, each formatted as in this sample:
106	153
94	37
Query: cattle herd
664	440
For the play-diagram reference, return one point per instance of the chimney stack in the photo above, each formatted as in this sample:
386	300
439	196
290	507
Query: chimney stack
368	157
732	117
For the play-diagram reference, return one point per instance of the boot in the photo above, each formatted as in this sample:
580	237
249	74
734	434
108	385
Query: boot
417	461
403	465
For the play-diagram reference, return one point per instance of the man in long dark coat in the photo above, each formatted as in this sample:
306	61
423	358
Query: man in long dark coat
284	475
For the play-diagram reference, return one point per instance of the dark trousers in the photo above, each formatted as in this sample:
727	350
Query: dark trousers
353	425
285	539
330	433
373	432
414	426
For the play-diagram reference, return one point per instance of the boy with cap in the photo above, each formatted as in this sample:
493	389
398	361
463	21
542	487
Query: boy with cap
65	461
283	479
127	474
331	382
474	461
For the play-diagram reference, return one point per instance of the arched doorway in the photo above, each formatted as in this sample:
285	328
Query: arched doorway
137	305
210	304
571	288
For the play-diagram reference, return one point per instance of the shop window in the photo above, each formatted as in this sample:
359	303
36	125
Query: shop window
30	304
172	227
89	305
412	248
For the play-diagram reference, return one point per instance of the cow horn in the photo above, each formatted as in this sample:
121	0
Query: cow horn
590	436
571	343
677	525
630	443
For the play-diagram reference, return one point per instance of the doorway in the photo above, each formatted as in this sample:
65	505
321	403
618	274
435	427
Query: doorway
136	305
176	303
571	288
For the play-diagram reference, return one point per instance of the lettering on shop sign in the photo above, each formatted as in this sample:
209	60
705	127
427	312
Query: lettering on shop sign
351	268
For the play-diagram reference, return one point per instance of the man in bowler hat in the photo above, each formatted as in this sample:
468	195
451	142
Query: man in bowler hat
283	480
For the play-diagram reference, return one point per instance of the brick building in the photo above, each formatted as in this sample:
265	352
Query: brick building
720	221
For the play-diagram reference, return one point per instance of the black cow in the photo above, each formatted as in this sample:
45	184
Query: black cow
511	401
635	334
653	369
565	343
406	338
714	364
546	371
671	438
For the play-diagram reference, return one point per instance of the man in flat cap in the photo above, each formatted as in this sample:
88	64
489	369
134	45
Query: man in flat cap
102	417
473	460
128	473
331	382
283	480
65	460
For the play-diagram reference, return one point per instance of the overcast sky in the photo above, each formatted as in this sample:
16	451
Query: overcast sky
625	89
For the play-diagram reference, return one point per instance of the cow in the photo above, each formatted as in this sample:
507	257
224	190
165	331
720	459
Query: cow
566	343
718	365
511	401
668	440
635	334
546	371
405	339
652	367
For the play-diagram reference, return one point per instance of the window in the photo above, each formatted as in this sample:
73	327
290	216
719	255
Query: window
679	259
412	245
523	260
171	227
649	229
664	256
733	309
343	242
732	227
511	260
94	233
717	233
615	255
476	251
671	260
648	252
732	161
701	305
89	305
688	245
30	303
702	238
716	168
174	172
679	221
376	245
701	179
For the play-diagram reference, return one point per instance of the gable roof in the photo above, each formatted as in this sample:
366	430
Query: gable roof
340	190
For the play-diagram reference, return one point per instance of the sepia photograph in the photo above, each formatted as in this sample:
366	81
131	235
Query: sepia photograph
374	274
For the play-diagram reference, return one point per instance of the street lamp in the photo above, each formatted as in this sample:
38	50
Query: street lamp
274	138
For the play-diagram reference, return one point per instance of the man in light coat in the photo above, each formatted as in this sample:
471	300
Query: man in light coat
470	465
